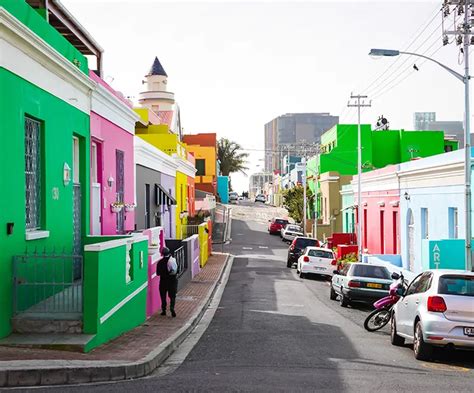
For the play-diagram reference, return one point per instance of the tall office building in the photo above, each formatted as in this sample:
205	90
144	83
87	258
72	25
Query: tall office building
290	129
257	183
421	120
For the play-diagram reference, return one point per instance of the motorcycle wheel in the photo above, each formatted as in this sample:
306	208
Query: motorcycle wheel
377	319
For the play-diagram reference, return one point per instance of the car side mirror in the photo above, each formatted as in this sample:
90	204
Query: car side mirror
395	276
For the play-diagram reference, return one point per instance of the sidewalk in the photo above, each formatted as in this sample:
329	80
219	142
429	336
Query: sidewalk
132	355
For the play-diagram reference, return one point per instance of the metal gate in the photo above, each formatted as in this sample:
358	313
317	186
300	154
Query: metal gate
120	186
47	284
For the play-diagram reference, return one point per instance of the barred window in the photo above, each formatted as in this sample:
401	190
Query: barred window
32	174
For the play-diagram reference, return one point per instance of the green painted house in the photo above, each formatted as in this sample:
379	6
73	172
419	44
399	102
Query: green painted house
45	274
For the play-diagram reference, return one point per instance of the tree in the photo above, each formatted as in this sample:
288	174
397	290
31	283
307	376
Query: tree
231	157
293	201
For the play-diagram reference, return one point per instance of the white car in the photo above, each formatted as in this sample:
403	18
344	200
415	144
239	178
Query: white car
290	231
260	198
437	309
316	260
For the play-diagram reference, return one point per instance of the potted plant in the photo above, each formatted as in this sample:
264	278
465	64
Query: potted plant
130	207
116	207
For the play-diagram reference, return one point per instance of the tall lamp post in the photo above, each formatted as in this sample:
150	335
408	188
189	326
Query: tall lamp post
467	132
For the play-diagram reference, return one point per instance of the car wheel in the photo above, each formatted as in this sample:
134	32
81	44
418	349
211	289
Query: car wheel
289	263
343	300
302	275
332	294
422	350
395	339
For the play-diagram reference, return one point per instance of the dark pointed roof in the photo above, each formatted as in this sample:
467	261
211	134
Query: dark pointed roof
157	68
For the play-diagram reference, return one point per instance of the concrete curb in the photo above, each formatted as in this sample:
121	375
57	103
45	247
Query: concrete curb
78	372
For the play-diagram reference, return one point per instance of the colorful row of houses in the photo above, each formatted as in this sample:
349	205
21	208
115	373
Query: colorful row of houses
92	186
411	189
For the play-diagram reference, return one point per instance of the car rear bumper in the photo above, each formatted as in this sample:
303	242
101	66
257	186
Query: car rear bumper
322	270
364	295
451	332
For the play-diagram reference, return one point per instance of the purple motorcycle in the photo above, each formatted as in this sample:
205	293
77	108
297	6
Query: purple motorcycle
382	314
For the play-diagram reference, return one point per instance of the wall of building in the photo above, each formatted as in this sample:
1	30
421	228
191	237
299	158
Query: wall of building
146	176
223	188
168	216
60	122
181	203
114	138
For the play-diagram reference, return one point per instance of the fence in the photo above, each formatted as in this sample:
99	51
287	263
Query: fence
181	260
47	284
189	230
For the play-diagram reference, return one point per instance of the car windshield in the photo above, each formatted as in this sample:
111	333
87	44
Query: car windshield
303	243
456	285
293	228
280	221
371	271
320	254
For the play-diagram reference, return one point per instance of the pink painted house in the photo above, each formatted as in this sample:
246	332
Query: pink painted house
111	161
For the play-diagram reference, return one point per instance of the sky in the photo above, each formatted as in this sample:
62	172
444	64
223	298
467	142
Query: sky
236	65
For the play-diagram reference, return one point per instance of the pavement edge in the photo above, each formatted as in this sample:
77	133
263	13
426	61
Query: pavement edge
47	376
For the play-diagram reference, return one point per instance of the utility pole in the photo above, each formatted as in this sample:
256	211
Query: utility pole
359	104
465	38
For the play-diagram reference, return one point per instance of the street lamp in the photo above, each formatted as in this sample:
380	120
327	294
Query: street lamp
467	132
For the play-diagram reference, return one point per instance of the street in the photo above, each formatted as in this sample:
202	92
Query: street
274	331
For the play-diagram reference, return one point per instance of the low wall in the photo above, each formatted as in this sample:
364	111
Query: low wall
115	283
156	237
203	243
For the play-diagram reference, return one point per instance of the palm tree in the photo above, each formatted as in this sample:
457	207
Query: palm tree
231	157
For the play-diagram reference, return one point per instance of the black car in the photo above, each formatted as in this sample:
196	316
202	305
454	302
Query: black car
297	246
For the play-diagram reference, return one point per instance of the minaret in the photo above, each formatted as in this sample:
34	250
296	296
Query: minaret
156	97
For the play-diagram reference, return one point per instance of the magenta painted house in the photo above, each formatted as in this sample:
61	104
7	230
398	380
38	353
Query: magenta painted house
111	161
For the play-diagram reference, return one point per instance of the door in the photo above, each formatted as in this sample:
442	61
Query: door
147	206
403	305
120	187
382	232
411	240
96	187
77	222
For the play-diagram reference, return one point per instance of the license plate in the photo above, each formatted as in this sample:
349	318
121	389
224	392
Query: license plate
373	285
469	331
318	268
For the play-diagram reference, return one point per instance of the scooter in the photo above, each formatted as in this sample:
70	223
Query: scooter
382	314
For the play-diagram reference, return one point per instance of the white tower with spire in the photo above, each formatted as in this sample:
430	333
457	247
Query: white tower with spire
157	97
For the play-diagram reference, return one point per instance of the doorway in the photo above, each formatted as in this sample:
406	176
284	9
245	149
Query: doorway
96	187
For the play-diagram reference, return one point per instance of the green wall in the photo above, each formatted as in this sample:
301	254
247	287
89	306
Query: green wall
105	287
35	22
60	122
424	144
386	148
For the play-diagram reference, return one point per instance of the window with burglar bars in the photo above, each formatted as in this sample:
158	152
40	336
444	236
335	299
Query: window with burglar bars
32	174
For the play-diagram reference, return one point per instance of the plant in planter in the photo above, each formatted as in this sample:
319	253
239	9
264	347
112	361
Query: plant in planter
130	207
348	258
116	207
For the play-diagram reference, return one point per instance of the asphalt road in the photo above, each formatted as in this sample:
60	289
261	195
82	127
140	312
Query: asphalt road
275	332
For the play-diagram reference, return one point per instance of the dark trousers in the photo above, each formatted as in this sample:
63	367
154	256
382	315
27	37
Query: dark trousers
170	288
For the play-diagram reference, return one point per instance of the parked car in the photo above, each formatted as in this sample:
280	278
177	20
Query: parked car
437	309
276	224
233	196
316	260
290	231
260	198
297	246
360	282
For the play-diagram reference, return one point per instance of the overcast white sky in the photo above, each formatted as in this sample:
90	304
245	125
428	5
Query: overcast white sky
234	66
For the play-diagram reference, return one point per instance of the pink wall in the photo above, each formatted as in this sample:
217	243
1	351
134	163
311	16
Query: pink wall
381	217
111	138
155	235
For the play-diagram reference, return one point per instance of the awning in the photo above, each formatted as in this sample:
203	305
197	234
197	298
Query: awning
163	197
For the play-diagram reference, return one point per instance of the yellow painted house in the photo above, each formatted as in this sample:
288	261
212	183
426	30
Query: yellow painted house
160	137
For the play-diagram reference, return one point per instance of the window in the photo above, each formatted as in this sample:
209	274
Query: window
395	232
382	232
32	174
371	271
75	161
94	171
453	222
424	223
456	285
321	254
201	167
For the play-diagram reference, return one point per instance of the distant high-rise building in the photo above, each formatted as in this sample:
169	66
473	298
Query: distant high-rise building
422	119
257	182
291	129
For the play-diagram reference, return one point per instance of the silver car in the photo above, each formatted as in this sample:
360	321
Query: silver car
437	309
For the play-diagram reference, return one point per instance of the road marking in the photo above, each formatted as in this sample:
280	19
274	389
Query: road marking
262	246
247	248
445	367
